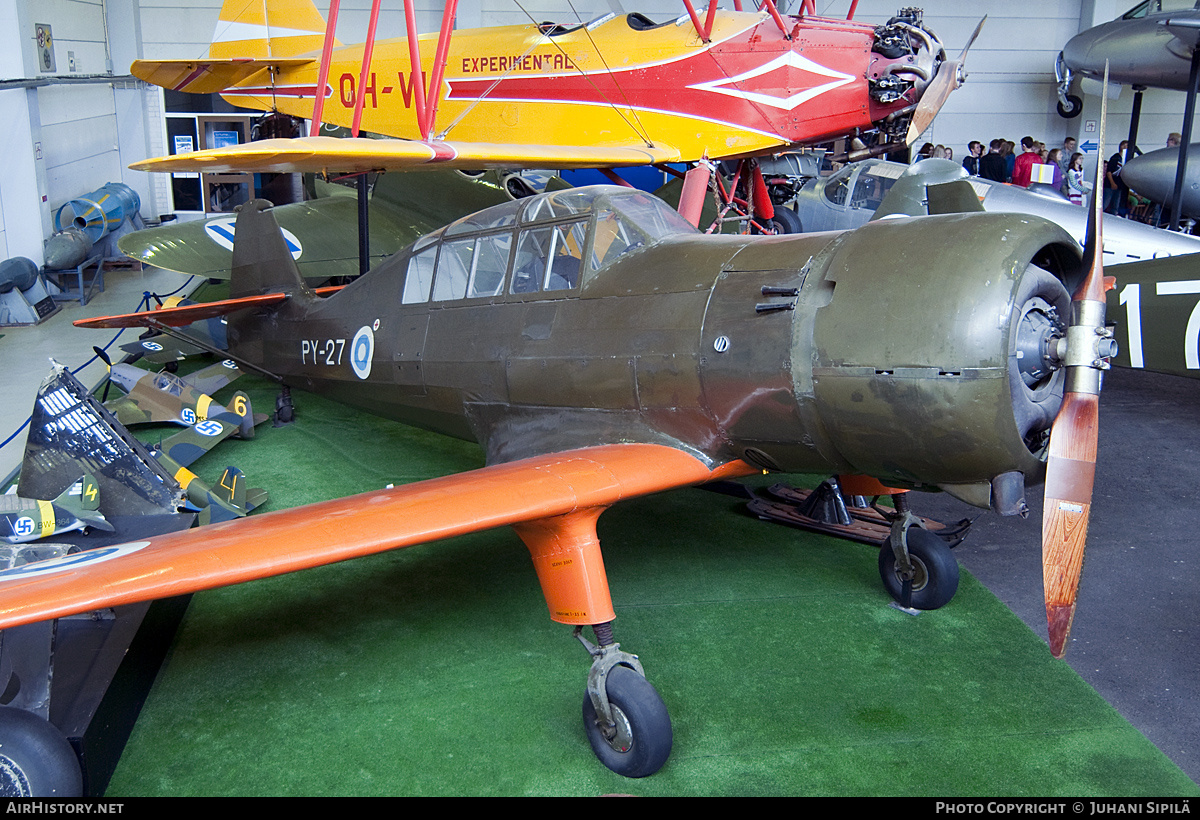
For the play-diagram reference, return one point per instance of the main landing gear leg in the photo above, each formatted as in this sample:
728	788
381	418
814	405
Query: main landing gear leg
623	716
916	567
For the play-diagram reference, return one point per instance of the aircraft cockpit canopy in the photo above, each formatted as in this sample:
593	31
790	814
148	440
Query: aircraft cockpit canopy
543	244
1157	6
861	185
168	383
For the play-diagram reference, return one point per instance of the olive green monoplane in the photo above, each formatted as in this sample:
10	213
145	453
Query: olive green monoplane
599	347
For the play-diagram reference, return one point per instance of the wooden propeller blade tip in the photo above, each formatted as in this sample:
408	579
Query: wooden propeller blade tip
1058	618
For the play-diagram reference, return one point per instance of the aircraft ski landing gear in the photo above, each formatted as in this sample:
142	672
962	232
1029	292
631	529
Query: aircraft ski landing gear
918	569
285	412
624	717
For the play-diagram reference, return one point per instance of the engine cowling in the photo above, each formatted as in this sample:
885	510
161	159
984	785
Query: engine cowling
945	379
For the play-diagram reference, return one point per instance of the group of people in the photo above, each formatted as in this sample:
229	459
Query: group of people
1061	168
1002	163
1116	192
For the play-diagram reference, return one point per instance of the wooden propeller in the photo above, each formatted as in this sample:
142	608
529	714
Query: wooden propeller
1071	463
947	79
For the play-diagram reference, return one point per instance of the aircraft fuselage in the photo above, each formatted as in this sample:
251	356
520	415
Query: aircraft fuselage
620	79
796	353
1140	50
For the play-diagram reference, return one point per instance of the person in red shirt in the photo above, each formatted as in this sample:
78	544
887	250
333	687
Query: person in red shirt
1025	161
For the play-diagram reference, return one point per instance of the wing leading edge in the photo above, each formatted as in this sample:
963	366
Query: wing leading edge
360	155
539	489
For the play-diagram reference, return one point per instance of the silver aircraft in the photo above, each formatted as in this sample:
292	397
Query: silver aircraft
1149	45
1153	175
850	197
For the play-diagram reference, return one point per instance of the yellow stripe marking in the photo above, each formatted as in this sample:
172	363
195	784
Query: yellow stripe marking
46	511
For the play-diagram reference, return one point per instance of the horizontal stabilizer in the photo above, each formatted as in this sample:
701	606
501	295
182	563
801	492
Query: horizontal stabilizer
180	316
207	76
357	155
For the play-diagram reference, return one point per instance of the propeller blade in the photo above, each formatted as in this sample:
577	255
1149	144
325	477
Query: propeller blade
935	96
963	56
102	356
107	363
1071	462
1070	476
949	77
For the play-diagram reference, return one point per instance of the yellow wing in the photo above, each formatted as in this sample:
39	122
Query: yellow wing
206	76
355	155
531	490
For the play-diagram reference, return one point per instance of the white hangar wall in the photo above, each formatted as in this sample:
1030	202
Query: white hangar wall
70	139
65	134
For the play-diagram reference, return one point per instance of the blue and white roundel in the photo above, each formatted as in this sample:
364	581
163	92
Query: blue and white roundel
361	351
69	562
221	232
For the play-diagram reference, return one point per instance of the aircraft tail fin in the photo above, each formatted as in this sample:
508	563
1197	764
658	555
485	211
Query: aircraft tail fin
266	29
82	500
262	261
243	415
957	197
226	499
82	495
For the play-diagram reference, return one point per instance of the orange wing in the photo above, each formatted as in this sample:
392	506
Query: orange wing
532	490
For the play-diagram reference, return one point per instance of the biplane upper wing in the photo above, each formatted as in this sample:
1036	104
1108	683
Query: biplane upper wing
534	489
360	155
207	76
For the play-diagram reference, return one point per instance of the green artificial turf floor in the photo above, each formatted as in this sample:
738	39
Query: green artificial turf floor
436	670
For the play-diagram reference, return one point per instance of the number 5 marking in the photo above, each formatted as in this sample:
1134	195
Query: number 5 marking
1191	339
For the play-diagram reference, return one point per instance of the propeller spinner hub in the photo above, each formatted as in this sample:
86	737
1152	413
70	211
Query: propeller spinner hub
1038	348
1089	346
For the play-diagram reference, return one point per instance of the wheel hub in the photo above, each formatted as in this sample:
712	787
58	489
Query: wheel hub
920	574
13	782
618	734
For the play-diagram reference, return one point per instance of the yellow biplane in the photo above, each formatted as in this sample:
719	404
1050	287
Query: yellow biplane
619	90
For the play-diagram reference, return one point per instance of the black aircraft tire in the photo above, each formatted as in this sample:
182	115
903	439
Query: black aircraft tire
637	703
787	220
1073	108
937	570
35	759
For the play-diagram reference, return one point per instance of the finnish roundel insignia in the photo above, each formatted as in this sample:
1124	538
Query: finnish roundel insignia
221	231
68	562
361	351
